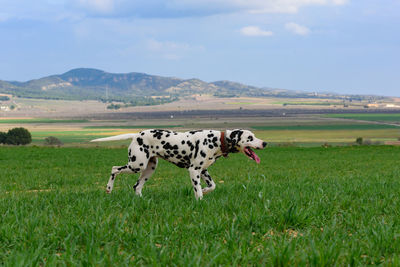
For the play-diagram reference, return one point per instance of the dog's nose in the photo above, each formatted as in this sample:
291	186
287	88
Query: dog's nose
264	144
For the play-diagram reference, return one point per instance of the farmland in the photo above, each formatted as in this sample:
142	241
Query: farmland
300	206
306	129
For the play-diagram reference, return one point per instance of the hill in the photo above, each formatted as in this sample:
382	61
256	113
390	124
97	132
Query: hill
86	83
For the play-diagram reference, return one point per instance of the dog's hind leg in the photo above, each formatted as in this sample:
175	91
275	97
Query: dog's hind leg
119	169
209	181
145	175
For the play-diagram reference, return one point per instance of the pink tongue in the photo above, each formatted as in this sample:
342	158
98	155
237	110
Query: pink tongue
253	156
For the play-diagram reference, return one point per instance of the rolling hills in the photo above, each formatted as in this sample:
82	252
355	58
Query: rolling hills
86	83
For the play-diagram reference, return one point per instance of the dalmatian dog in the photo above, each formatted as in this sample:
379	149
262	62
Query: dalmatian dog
193	150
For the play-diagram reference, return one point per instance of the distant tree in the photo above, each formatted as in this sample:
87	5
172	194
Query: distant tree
3	137
52	141
359	140
18	136
114	106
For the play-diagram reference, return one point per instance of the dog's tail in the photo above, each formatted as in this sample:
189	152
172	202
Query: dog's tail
115	138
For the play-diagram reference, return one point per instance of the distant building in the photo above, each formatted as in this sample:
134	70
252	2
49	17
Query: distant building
392	106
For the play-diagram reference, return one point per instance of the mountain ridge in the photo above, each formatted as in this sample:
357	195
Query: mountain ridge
89	83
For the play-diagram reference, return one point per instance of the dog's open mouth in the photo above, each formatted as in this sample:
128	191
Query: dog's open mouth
250	153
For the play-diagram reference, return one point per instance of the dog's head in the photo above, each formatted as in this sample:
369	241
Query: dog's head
244	141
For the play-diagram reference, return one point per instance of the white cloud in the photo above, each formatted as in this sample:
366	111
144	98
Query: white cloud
282	6
102	6
54	9
340	2
255	31
297	29
188	8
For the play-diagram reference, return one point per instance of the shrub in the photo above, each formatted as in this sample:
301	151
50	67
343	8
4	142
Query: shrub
114	106
52	141
3	137
359	140
18	136
326	145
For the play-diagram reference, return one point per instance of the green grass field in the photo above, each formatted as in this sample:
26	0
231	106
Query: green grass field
391	117
332	127
133	127
300	206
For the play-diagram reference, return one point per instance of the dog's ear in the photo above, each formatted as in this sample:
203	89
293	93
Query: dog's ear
236	135
234	139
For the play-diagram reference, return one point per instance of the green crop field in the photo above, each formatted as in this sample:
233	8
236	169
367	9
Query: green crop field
300	206
69	137
394	117
133	127
331	127
31	121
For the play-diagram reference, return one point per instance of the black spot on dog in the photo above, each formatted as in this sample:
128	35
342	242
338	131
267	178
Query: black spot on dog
134	187
203	154
197	148
140	141
122	168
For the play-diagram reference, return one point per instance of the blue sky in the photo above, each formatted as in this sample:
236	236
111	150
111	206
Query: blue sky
344	46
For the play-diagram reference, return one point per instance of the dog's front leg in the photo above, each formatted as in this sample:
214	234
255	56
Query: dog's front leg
195	178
